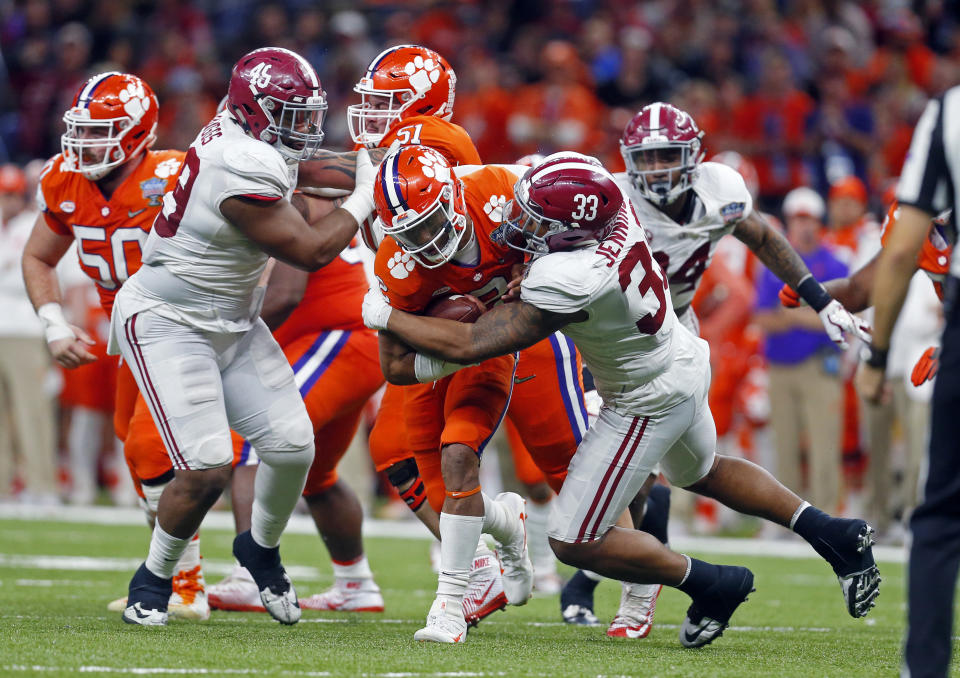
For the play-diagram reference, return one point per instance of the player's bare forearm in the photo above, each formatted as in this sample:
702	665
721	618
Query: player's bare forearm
772	248
854	292
334	170
397	360
504	329
43	250
895	268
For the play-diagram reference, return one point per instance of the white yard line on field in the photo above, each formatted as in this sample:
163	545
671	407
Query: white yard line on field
160	670
408	529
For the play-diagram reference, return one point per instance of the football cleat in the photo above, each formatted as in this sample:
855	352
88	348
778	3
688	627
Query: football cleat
514	556
189	599
580	616
347	595
445	623
237	592
484	594
276	590
576	600
634	618
709	614
856	569
147	599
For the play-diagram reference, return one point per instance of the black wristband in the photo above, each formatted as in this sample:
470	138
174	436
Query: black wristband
875	357
812	292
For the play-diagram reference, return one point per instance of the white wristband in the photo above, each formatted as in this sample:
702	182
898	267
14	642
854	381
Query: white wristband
360	205
55	326
429	369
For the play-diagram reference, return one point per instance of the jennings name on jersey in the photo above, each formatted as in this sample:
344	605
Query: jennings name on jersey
197	267
721	201
642	359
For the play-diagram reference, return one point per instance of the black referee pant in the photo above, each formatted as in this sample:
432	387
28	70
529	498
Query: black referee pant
935	524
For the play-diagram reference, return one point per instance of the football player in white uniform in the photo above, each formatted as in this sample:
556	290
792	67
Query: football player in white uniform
686	206
595	279
188	321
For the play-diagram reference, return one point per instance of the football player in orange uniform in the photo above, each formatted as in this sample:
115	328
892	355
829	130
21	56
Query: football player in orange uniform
407	97
104	191
445	238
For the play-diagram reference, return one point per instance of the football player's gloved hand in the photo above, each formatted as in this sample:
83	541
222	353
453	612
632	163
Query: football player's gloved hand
837	320
376	309
789	298
926	368
360	203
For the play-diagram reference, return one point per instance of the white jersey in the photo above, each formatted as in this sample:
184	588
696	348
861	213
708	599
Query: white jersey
642	359
684	250
197	267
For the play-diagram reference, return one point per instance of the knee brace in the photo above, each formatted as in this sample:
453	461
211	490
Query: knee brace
406	473
152	492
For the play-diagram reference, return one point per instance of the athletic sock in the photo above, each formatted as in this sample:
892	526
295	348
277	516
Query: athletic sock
496	520
657	513
276	492
700	576
165	552
544	562
458	544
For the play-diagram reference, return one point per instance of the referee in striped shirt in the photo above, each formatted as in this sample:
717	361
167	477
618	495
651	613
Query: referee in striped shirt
929	184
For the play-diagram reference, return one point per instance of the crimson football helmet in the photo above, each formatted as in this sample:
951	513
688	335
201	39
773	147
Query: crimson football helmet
113	118
420	204
565	201
402	82
662	148
276	96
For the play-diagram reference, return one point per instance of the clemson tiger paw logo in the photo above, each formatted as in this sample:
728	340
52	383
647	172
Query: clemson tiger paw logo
167	168
135	100
423	73
400	265
434	166
493	208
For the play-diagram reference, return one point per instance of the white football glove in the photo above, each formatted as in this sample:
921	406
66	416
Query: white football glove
375	309
837	320
360	203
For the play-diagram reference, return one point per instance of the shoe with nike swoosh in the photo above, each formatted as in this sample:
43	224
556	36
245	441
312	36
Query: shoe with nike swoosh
852	560
276	590
709	614
514	554
634	617
484	594
147	598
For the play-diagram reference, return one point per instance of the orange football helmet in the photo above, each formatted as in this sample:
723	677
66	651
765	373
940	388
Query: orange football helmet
402	82
420	204
113	118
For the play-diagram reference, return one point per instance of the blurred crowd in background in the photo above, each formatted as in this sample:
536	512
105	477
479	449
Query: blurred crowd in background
820	94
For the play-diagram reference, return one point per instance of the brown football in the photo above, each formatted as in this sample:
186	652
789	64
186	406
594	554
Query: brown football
457	307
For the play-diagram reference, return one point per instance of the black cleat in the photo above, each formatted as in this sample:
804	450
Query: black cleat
147	598
276	590
576	601
709	614
850	554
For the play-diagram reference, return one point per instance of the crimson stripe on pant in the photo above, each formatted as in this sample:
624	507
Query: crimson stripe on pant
616	481
162	425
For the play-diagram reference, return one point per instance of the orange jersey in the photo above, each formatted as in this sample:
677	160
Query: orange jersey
449	139
331	300
110	233
410	287
934	256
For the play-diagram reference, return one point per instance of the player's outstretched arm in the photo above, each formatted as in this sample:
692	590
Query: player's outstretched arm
280	229
504	329
44	249
334	170
778	255
853	292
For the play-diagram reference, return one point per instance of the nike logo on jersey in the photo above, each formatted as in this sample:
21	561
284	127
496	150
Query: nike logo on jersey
131	214
520	380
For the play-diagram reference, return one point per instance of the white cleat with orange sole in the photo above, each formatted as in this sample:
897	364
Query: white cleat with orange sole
484	594
237	592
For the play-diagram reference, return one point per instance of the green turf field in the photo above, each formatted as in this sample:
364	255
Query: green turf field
53	621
